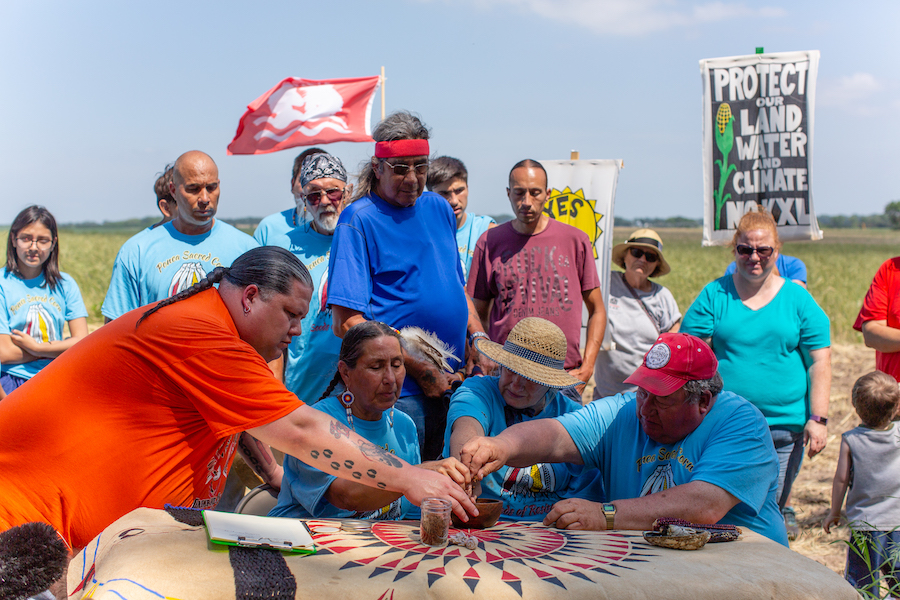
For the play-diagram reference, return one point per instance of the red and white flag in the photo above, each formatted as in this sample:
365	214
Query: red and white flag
304	112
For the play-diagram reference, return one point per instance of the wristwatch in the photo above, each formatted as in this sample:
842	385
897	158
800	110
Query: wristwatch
818	419
609	511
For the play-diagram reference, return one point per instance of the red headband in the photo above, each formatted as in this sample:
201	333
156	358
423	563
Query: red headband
401	148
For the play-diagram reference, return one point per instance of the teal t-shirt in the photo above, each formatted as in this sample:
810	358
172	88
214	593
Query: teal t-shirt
528	493
33	308
761	352
467	236
312	355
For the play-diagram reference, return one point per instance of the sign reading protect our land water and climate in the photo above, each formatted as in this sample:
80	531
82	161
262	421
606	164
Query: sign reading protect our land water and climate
758	116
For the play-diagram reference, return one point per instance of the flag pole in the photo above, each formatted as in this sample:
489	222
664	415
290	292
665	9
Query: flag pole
382	92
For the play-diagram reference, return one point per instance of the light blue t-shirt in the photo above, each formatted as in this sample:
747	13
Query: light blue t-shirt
303	487
275	226
36	310
761	352
789	267
162	262
312	355
467	236
731	448
528	493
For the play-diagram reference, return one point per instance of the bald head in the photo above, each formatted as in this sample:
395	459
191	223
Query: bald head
190	160
195	186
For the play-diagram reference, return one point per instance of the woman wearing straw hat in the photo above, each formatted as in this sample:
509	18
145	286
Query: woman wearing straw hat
639	310
528	387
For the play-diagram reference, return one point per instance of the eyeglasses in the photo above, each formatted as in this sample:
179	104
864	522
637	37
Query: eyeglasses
648	256
761	251
26	241
314	198
402	169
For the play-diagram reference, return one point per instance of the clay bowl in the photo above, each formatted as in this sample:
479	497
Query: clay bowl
488	515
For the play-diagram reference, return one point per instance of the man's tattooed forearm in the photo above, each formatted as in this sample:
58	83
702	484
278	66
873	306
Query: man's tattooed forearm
368	449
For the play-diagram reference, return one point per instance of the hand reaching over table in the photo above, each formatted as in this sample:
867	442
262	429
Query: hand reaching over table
432	484
484	455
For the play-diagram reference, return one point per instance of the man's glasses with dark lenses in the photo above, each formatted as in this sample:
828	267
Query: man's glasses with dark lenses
648	256
314	198
402	169
761	251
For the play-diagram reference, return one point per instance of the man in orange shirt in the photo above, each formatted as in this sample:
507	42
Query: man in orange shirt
146	410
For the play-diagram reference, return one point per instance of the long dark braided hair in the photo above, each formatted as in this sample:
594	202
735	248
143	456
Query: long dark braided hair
352	346
272	269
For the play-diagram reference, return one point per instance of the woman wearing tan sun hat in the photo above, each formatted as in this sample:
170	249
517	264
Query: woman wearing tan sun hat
639	310
531	374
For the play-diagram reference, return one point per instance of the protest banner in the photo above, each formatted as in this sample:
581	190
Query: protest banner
583	194
758	117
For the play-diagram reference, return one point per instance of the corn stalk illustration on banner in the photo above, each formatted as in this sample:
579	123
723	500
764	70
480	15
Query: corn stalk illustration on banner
758	117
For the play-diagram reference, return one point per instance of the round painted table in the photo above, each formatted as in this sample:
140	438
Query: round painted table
148	554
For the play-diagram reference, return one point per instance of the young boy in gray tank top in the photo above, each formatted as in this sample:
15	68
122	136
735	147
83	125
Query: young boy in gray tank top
869	465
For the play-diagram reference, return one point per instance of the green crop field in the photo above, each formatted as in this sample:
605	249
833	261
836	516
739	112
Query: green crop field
840	267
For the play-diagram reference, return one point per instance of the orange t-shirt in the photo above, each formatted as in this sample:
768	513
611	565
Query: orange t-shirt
134	416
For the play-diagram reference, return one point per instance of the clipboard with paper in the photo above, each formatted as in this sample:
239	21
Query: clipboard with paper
274	533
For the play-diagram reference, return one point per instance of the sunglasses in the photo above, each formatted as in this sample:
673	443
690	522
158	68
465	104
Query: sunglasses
646	254
314	198
761	251
402	169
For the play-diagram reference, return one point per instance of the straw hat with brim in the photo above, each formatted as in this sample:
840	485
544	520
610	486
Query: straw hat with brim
642	238
534	349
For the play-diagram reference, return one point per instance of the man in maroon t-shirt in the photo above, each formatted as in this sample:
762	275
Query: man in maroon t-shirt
535	266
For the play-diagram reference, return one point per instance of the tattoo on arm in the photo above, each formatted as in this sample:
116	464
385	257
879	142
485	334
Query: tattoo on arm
339	430
373	452
245	442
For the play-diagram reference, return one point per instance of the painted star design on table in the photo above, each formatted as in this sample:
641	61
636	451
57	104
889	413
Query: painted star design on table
552	555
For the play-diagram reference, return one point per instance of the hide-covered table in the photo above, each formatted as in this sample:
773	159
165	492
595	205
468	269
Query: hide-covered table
149	555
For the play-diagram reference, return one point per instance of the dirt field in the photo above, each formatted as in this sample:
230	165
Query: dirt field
811	496
812	490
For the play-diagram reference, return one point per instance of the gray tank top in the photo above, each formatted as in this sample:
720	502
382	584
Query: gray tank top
873	500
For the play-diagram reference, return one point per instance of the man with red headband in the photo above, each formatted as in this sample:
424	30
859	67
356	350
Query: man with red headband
678	447
394	259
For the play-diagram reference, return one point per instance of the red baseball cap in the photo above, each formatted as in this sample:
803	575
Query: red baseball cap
672	361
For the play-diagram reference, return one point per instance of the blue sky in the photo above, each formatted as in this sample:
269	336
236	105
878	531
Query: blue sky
98	96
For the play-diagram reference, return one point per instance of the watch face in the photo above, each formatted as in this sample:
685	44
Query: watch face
609	508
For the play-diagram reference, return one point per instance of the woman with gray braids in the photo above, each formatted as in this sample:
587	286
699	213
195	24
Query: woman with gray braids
155	401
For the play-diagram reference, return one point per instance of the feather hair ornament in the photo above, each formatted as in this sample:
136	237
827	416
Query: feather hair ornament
424	345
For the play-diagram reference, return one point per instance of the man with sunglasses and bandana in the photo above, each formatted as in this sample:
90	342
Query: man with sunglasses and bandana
319	185
394	259
535	266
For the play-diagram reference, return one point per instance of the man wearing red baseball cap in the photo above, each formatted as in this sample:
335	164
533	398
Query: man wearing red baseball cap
678	447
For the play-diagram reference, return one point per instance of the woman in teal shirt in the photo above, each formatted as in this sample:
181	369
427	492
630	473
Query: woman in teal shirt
773	344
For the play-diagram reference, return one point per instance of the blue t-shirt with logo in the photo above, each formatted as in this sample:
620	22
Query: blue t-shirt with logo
528	493
163	261
30	306
467	236
731	448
